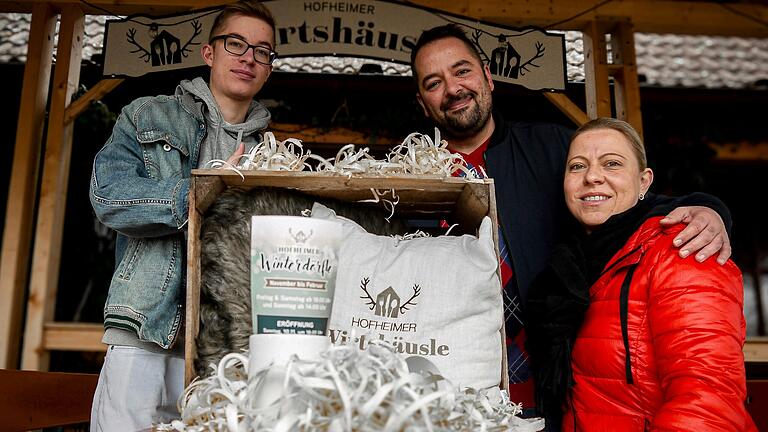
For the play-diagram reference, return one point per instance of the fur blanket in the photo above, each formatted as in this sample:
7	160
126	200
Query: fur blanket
225	286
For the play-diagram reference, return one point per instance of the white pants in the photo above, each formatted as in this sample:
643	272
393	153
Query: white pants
136	389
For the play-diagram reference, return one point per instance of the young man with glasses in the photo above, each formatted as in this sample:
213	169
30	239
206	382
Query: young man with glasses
139	188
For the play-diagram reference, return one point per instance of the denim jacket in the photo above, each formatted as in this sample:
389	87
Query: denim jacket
139	188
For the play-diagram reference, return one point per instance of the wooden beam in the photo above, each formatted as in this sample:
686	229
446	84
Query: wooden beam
35	400
743	151
626	89
53	191
756	270
649	16
73	337
756	350
598	95
568	107
19	213
119	7
101	89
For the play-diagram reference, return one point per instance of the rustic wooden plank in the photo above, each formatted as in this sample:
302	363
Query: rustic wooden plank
22	191
470	207
192	323
492	213
567	107
207	189
626	84
598	95
756	350
744	151
307	180
417	196
654	16
651	16
35	400
63	336
98	91
53	191
118	7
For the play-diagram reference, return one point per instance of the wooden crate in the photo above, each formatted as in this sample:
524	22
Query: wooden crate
434	198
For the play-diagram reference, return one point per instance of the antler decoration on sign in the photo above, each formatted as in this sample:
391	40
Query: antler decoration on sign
131	34
476	39
416	292
198	29
539	53
364	286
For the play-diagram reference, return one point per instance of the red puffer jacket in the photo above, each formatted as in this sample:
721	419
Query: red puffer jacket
660	348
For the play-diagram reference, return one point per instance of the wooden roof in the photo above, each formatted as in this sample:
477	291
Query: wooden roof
746	19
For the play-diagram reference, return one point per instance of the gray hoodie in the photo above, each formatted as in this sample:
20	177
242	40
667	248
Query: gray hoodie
222	138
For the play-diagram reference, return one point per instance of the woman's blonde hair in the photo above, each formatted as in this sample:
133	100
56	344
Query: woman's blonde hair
621	127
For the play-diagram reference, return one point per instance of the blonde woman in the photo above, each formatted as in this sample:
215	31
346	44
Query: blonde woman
657	339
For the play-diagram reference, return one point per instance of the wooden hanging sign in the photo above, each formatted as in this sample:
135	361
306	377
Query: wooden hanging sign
375	29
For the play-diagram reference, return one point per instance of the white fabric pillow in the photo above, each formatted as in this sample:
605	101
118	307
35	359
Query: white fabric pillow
437	297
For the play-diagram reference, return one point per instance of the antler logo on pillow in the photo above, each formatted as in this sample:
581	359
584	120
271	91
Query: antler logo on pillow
387	303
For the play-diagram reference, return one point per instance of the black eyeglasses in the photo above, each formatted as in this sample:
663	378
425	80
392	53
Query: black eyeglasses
237	46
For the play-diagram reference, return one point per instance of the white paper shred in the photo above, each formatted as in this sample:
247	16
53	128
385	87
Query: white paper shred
345	390
418	155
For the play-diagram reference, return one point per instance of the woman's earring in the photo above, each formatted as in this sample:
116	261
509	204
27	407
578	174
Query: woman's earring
641	196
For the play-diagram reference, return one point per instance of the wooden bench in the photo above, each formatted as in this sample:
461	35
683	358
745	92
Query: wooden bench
34	400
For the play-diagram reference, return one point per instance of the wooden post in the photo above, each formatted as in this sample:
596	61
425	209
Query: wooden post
756	271
19	214
53	191
622	67
626	89
598	95
192	317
